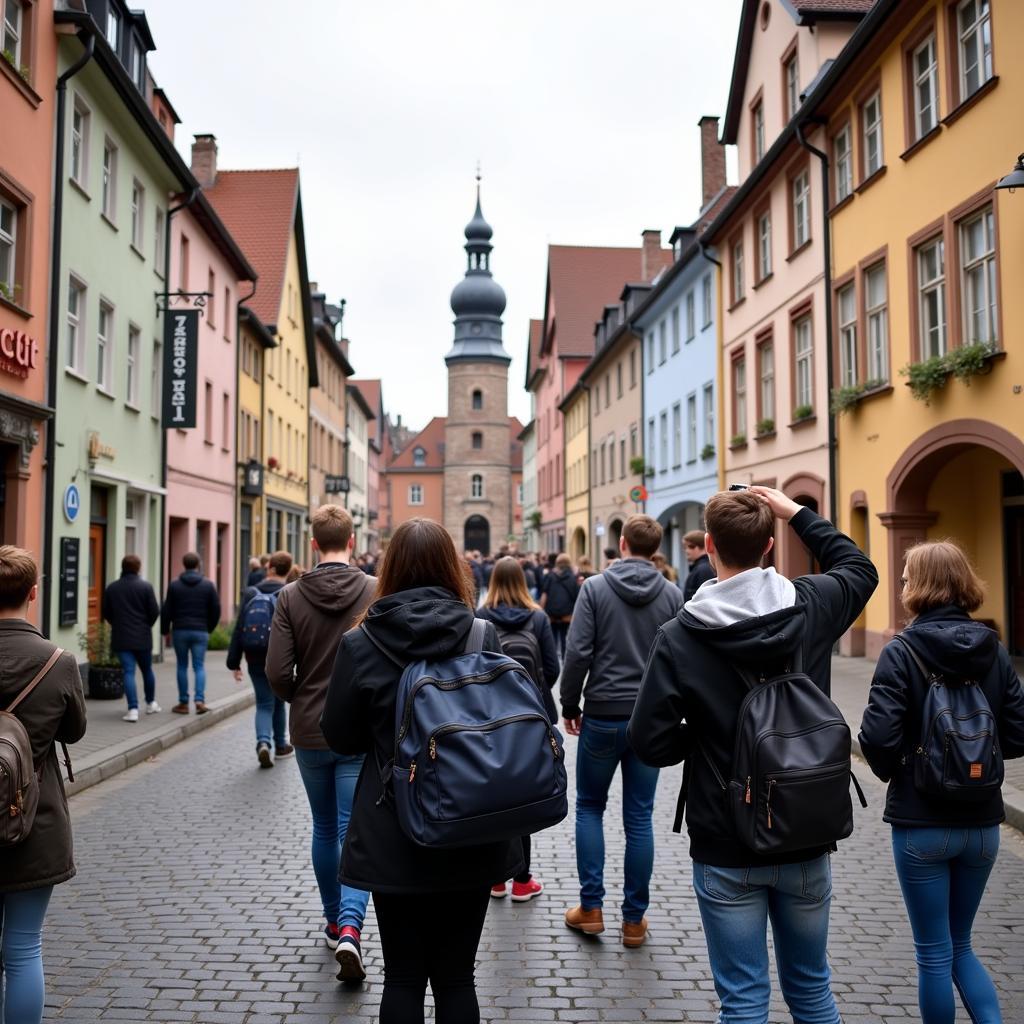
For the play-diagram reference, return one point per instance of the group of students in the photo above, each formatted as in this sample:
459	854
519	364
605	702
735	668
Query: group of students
648	680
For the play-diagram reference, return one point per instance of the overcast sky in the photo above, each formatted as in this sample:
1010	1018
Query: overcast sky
583	114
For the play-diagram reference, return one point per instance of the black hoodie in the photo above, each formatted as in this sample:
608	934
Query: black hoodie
510	617
690	690
191	603
951	644
426	623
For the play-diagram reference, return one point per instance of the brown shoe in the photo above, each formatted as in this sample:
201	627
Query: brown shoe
590	922
634	933
182	709
201	708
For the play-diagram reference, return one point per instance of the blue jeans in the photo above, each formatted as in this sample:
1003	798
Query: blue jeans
144	660
186	642
270	713
330	781
602	748
21	938
735	907
943	872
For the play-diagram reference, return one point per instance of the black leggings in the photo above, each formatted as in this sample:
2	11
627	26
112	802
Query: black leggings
524	875
560	631
430	937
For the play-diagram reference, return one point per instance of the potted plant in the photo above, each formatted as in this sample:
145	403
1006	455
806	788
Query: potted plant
272	462
927	377
106	679
737	440
708	451
535	519
637	466
803	412
969	361
765	427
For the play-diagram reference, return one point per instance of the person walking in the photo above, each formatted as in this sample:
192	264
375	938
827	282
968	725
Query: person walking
558	593
701	569
311	616
944	837
616	619
130	606
52	712
257	571
525	634
430	902
190	613
752	620
251	636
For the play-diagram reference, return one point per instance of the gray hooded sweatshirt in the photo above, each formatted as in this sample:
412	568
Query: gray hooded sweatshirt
747	595
613	626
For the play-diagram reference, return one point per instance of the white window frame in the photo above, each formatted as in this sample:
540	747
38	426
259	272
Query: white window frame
13	30
707	300
871	138
651	441
933	334
803	361
75	324
662	350
476	485
842	151
419	456
758	132
677	435
113	28
138	213
926	88
877	316
108	183
766	379
709	413
739	391
801	209
675	329
738	284
415	494
650	353
691	427
663	441
980	29
792	86
159	227
9	246
978	279
79	172
134	354
105	346
691	315
846	314
764	244
156	380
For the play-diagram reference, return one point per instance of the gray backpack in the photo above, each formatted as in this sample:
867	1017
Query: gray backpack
19	780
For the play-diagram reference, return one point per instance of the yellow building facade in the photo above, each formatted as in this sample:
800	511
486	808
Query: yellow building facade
927	265
576	410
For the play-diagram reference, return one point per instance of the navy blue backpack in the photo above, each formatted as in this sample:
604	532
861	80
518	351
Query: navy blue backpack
476	759
256	620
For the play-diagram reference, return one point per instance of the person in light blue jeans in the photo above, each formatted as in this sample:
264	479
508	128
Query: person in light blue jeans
22	915
271	716
735	907
191	643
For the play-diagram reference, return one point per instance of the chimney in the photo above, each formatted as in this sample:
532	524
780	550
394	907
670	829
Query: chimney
204	160
651	259
712	160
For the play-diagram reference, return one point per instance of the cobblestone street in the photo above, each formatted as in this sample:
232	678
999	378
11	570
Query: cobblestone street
195	901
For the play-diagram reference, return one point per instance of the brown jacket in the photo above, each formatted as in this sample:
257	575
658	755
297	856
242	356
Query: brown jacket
54	712
312	616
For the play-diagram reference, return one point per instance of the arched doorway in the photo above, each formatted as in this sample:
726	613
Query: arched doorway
477	535
677	521
614	535
963	480
807	490
578	544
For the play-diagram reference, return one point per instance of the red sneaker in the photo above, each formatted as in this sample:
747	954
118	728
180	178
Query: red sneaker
524	891
499	891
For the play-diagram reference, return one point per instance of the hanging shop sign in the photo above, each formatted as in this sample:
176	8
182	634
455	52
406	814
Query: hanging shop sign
19	352
253	483
181	368
336	484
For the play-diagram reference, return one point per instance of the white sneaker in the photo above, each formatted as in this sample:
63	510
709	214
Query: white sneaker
153	708
132	716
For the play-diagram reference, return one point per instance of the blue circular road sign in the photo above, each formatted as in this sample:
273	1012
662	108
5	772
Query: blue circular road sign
72	502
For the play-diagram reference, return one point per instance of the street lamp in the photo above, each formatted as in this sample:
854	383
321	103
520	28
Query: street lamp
1015	179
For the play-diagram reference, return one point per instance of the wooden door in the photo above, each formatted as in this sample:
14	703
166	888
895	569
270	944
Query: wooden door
1015	576
97	573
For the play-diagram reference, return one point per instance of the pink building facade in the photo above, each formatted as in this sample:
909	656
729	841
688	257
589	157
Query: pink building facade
201	462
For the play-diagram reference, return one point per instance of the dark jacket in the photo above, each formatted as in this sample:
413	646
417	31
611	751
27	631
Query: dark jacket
131	608
612	630
701	571
234	659
359	718
54	712
255	576
562	592
951	644
690	691
510	617
312	615
191	603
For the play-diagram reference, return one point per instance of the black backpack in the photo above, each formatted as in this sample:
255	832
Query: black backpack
521	644
958	755
791	770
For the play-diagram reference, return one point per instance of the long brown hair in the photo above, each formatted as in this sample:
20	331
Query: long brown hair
508	586
421	554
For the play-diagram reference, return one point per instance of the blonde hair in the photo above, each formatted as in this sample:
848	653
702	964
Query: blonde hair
940	573
508	585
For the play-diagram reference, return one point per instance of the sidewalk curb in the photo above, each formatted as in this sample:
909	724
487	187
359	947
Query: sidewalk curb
117	758
1013	798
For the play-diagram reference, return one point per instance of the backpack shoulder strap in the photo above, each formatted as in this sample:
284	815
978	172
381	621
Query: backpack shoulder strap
380	647
36	679
476	637
925	671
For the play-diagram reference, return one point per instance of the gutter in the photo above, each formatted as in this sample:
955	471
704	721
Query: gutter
238	460
719	363
86	35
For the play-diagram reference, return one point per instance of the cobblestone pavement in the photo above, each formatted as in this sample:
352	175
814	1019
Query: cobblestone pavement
195	902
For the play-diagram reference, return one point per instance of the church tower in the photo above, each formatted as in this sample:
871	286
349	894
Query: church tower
477	452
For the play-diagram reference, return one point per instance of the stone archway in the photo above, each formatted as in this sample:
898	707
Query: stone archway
577	544
808	490
907	517
477	535
614	535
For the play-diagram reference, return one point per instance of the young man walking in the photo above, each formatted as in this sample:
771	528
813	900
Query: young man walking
755	620
616	618
701	569
312	615
251	636
189	615
131	608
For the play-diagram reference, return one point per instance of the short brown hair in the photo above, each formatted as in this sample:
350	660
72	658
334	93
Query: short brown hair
695	538
18	575
332	528
939	573
642	535
740	524
280	563
563	561
190	560
131	563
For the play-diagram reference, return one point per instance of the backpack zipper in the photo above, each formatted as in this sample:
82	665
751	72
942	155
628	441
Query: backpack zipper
489	727
768	801
926	741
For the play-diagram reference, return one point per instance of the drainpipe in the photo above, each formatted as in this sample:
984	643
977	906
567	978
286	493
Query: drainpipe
829	355
720	361
88	41
238	369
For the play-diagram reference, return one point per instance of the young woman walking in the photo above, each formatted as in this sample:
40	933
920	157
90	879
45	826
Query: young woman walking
52	712
559	592
944	847
509	606
430	903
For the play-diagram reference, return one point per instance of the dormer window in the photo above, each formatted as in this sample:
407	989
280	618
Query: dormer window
419	457
138	65
114	28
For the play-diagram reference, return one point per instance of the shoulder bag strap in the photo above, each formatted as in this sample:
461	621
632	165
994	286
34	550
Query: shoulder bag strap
476	637
380	647
925	671
36	679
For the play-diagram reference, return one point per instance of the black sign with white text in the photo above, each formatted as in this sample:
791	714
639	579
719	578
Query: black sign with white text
68	573
181	367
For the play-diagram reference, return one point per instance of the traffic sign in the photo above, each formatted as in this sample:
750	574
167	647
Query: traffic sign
638	494
72	503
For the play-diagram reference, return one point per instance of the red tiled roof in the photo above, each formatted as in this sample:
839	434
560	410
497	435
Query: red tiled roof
370	390
581	281
258	208
431	440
